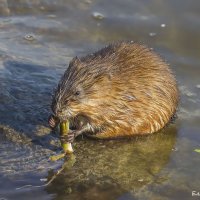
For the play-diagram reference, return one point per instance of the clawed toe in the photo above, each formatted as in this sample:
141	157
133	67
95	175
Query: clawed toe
52	121
69	137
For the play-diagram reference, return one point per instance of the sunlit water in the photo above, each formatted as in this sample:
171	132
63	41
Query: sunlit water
37	41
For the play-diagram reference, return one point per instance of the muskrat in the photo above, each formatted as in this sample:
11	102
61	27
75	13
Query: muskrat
125	89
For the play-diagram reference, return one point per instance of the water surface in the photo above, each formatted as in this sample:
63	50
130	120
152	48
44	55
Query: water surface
37	41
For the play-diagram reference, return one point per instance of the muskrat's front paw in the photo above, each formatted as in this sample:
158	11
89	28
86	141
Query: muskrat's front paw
70	136
53	121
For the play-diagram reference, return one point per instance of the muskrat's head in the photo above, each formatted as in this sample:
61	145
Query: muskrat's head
80	90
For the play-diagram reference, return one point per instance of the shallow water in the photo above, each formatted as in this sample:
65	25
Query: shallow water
37	41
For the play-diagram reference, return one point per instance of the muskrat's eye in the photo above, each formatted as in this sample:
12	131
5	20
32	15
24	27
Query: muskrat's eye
77	93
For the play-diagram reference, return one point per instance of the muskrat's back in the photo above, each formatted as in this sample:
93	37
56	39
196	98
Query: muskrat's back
126	89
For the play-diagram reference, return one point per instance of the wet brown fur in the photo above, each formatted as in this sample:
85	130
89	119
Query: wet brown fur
125	89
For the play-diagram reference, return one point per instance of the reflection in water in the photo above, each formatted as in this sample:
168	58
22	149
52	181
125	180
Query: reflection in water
112	168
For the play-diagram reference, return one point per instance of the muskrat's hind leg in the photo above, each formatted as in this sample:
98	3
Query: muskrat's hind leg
109	133
74	133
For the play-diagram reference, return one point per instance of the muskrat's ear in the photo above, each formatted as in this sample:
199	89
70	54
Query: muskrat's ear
75	61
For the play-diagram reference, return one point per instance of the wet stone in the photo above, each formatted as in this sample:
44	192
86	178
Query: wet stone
198	86
51	16
163	25
98	16
88	1
29	37
152	34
